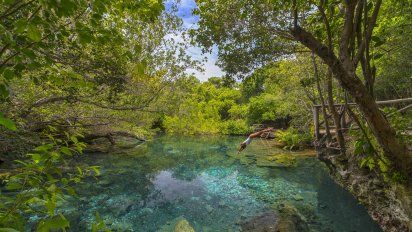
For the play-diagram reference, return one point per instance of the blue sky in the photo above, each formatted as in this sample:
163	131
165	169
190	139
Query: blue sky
185	8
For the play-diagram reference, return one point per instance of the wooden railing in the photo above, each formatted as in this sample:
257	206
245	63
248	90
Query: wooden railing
346	119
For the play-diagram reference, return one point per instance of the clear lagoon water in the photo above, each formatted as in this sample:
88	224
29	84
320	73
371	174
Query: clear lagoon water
202	180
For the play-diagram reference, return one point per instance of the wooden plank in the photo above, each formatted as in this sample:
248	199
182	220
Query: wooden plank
316	121
387	102
395	101
343	119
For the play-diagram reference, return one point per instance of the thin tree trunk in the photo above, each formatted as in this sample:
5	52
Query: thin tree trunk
335	115
322	100
380	127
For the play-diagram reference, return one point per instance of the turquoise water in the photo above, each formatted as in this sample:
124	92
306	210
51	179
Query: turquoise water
202	180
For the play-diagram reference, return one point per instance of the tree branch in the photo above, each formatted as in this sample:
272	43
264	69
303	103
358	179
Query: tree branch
73	99
370	26
346	35
5	15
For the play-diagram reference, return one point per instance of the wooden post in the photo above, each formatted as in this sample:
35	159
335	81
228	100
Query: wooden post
316	121
343	119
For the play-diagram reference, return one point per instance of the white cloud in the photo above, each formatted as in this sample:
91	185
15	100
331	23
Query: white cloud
190	21
210	67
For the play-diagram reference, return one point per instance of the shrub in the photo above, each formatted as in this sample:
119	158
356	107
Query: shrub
292	139
234	127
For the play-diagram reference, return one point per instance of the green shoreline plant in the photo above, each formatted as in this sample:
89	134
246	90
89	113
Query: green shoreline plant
39	182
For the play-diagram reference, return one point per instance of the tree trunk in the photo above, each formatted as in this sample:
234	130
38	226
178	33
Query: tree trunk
335	115
380	127
322	100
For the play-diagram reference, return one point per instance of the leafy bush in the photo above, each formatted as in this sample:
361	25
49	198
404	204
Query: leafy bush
40	183
400	123
292	139
371	155
235	127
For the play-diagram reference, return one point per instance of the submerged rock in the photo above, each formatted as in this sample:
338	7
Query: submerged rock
267	222
183	226
291	220
209	208
179	224
222	203
298	197
288	219
277	160
105	182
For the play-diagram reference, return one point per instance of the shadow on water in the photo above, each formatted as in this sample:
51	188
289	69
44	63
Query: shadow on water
202	180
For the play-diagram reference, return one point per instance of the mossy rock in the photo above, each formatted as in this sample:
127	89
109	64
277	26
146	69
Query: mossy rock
291	220
277	160
183	226
179	224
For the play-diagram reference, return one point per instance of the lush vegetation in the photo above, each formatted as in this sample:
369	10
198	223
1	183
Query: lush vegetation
76	70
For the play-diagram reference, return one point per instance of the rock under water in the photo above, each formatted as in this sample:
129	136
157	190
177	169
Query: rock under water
183	226
276	160
179	224
286	219
149	189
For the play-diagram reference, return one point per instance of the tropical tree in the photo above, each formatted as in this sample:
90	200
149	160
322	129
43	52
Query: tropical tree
250	34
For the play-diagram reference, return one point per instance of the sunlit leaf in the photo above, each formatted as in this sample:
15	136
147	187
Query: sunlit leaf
57	222
8	230
34	33
9	124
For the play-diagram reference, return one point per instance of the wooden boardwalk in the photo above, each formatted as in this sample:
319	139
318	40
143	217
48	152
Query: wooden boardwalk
346	117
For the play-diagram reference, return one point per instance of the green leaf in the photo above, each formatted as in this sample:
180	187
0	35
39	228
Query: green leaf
20	26
29	53
71	191
66	7
9	124
96	170
377	56
140	68
8	74
362	163
36	157
34	33
66	151
13	186
85	36
98	224
4	92
64	181
57	222
74	139
377	44
8	230
80	170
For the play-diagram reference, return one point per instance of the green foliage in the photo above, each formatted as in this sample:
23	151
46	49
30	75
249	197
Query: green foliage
91	67
262	108
99	224
53	223
7	123
392	50
366	149
234	127
369	153
292	139
207	109
41	182
401	123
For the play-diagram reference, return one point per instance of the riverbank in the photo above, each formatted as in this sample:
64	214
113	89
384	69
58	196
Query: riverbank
388	204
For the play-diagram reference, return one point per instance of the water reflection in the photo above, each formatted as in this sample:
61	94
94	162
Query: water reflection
202	180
